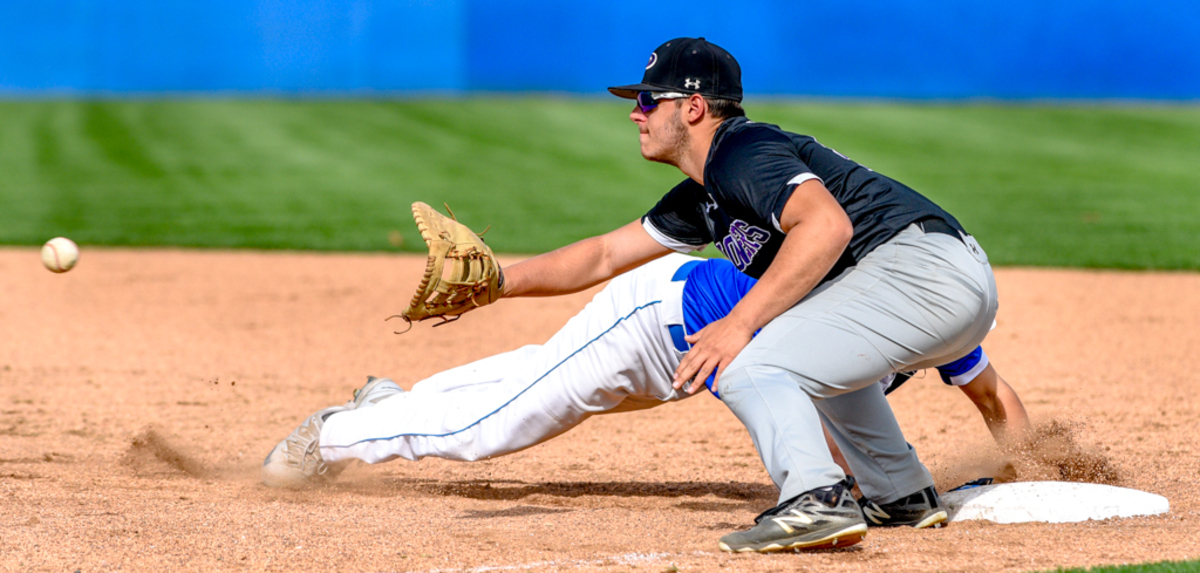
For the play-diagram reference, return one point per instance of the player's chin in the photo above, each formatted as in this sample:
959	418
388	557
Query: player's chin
650	153
659	158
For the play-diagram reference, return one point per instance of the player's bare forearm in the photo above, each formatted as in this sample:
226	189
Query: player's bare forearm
1000	406
564	270
1016	424
818	231
582	264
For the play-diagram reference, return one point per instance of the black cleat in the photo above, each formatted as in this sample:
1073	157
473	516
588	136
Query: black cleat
919	510
823	518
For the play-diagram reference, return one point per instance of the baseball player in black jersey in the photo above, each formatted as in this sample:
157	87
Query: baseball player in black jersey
859	276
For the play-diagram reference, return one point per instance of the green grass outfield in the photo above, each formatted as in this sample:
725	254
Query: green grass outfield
1162	567
1077	185
1094	185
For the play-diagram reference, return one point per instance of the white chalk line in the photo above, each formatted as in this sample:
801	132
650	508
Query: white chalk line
623	559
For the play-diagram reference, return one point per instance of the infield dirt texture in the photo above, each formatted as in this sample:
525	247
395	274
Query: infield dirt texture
140	392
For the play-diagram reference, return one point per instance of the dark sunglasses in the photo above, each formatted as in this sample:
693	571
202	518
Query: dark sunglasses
647	101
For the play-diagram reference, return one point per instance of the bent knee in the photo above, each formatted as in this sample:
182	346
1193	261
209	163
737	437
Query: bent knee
758	378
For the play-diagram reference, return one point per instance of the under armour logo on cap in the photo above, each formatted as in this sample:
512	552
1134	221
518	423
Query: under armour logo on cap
691	83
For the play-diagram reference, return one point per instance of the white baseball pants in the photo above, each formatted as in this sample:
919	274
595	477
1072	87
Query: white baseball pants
615	355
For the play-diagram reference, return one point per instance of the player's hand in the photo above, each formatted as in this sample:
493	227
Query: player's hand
713	348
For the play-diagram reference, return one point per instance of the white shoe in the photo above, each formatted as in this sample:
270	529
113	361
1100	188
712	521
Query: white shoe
373	392
296	461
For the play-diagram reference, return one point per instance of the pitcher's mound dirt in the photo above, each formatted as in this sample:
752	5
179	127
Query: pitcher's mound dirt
140	391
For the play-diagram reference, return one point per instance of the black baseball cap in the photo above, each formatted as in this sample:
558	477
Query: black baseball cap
689	65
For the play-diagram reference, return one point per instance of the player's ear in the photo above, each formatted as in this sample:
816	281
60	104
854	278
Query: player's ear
697	108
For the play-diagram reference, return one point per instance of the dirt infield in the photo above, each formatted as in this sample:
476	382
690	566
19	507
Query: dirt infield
140	391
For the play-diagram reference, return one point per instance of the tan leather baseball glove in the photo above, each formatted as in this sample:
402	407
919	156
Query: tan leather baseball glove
461	274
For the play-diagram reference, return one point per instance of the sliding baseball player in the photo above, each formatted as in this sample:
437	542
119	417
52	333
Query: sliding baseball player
618	354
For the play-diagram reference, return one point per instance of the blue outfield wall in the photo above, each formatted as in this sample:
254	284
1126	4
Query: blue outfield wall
99	46
903	48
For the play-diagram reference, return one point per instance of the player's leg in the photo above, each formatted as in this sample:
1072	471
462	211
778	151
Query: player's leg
490	370
835	342
836	452
618	348
930	317
850	417
958	372
816	508
294	462
888	384
613	350
915	299
782	417
977	378
777	397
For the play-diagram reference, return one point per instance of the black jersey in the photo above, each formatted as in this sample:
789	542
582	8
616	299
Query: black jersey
752	170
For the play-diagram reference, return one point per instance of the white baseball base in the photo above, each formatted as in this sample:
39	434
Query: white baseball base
1051	502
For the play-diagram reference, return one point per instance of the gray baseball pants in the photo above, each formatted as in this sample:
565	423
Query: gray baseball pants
917	301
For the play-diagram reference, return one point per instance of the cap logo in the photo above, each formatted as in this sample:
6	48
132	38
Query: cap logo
653	60
691	83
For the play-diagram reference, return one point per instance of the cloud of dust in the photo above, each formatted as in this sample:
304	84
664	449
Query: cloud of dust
149	453
1052	451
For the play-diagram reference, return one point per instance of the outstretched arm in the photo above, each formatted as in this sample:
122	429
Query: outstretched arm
1001	407
583	264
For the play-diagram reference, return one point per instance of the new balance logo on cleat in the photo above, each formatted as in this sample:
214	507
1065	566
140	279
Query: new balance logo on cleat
874	514
919	510
819	519
797	518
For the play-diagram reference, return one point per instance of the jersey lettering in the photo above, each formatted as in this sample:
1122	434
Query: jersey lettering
743	242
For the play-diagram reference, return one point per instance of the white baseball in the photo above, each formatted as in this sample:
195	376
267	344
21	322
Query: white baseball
60	254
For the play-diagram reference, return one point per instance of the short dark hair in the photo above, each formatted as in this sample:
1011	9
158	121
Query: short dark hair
721	108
